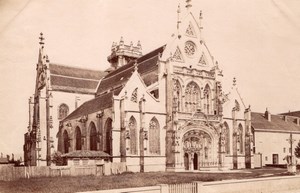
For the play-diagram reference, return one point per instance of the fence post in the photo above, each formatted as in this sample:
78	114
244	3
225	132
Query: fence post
164	188
199	186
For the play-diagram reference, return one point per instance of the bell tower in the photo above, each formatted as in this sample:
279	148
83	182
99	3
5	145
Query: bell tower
121	53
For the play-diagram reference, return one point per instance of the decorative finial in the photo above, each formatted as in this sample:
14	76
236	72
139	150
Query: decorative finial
188	4
121	41
200	19
41	39
234	81
178	17
139	45
135	66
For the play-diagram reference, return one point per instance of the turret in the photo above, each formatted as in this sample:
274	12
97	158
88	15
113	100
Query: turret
122	54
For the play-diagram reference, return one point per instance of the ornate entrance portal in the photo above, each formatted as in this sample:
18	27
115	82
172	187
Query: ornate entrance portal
197	150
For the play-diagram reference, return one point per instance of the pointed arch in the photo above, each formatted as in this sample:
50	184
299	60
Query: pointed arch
192	97
154	136
93	136
78	143
66	141
177	95
133	135
207	99
240	139
227	138
107	138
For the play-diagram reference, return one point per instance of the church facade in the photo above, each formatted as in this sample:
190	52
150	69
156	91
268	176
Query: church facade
165	110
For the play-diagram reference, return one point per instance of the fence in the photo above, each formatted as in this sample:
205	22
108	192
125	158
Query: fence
183	188
8	173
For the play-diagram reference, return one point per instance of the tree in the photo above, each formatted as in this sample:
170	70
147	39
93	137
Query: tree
297	150
57	159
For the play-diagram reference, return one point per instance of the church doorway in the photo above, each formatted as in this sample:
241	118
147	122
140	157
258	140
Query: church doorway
186	161
197	150
195	161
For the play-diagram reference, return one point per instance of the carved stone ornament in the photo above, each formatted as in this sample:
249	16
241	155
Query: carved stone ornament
190	48
127	134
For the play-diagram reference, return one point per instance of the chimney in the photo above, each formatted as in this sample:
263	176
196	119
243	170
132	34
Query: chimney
268	115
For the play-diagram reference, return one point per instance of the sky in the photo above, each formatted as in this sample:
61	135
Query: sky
256	41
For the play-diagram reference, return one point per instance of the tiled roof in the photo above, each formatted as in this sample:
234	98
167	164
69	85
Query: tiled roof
294	113
74	79
86	154
101	102
277	123
147	68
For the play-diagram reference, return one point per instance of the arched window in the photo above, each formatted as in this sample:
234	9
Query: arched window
227	138
177	95
78	138
66	142
240	139
107	139
63	111
207	99
133	135
192	97
93	137
154	136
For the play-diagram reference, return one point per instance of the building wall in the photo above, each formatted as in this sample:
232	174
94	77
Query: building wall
269	143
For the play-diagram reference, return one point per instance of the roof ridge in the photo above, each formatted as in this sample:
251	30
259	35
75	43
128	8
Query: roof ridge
76	67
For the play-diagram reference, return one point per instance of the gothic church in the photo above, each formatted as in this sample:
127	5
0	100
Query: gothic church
164	110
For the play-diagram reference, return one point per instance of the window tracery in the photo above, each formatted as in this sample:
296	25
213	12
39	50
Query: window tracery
134	96
63	111
192	97
133	136
154	136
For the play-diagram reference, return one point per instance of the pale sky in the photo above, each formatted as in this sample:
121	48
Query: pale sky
256	41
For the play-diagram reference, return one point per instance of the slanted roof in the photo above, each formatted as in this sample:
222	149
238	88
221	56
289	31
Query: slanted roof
74	79
294	113
99	103
86	154
147	68
277	123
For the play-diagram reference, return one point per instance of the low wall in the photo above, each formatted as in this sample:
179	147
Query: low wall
9	173
259	185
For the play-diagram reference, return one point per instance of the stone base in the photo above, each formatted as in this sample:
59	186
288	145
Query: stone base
291	168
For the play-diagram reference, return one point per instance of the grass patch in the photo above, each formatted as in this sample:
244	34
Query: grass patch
126	180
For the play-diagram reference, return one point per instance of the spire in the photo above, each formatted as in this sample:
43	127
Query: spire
188	4
41	42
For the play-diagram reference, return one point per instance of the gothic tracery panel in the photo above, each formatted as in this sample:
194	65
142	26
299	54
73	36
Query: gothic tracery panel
177	95
63	111
240	139
192	97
